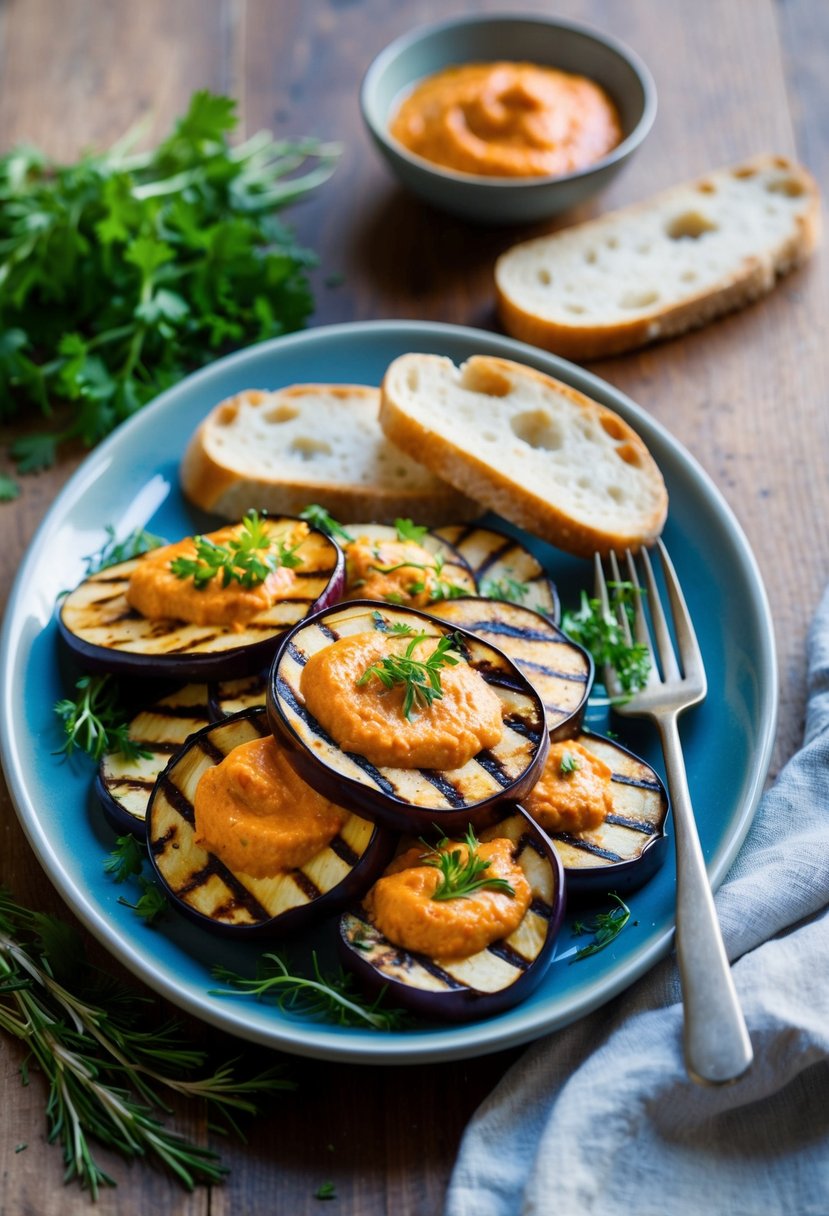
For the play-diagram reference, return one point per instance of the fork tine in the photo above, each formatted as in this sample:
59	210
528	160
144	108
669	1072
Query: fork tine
689	650
664	643
621	615
609	678
640	620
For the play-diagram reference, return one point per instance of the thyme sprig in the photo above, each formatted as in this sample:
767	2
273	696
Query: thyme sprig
103	1070
333	998
420	677
602	634
605	926
247	558
94	721
461	877
506	588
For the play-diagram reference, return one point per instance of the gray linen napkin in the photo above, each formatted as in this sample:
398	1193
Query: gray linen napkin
600	1117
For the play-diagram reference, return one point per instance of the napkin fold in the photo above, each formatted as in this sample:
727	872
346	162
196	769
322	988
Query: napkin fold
601	1119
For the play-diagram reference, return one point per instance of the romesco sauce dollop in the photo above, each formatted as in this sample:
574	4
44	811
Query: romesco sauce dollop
508	120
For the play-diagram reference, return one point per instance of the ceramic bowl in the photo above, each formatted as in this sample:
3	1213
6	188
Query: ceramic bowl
540	40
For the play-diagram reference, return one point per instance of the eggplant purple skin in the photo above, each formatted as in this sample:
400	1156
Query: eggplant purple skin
466	1004
371	803
377	855
224	665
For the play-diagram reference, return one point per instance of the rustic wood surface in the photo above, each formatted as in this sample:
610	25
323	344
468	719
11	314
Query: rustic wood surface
748	397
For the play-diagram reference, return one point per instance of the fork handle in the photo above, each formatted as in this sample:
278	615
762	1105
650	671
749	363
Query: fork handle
716	1042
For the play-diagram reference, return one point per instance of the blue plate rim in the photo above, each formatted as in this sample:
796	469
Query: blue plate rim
315	1039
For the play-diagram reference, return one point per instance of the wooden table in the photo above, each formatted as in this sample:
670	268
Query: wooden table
748	397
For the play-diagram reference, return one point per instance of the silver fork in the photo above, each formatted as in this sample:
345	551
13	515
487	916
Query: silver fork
716	1042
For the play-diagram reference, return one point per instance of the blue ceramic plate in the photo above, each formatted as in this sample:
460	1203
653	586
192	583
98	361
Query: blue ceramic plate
131	480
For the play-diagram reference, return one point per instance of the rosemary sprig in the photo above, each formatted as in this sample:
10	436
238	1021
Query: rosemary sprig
419	677
113	551
318	517
606	927
246	559
103	1071
601	633
333	998
94	722
461	878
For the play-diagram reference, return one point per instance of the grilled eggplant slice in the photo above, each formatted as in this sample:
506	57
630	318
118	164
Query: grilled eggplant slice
631	845
124	784
408	799
454	570
106	634
488	982
203	888
503	568
561	671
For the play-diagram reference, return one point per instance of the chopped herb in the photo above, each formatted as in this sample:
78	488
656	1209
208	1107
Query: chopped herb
126	859
420	678
152	905
113	551
318	517
409	531
326	1191
247	558
601	633
18	1148
9	489
570	763
398	629
606	927
461	878
95	721
333	998
505	588
126	270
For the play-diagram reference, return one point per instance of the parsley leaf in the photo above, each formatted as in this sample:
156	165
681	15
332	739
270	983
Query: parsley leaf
124	271
419	677
601	633
247	558
318	517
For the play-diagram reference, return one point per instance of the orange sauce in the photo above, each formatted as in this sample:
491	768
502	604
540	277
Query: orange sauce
574	792
508	120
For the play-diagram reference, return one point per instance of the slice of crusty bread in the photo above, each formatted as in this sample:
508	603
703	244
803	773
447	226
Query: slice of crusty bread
311	443
662	266
533	449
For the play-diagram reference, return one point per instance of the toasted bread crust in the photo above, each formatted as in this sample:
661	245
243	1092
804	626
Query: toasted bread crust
543	511
751	274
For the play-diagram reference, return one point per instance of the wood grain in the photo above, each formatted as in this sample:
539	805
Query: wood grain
746	396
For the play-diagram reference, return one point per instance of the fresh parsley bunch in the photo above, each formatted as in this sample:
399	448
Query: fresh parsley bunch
121	273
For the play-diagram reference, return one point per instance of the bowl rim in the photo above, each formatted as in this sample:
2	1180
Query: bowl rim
403	41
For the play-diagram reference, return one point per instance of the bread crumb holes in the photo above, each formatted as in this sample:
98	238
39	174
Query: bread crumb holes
691	225
282	413
538	429
307	448
790	187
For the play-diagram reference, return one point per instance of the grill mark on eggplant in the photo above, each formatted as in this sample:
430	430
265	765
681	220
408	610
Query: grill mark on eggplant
526	841
498	555
586	846
450	792
297	655
209	749
429	964
522	727
287	693
241	896
571	677
642	783
506	953
504	629
327	631
342	849
196	712
306	885
541	908
177	800
492	765
161	843
129	783
635	825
